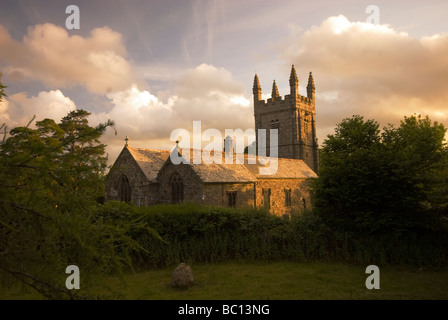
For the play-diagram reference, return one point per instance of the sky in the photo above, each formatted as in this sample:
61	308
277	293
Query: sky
156	66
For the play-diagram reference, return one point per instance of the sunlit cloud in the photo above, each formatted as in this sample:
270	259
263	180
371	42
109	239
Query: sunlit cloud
50	55
19	109
371	70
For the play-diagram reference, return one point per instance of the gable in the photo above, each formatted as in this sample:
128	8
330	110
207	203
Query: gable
144	162
149	161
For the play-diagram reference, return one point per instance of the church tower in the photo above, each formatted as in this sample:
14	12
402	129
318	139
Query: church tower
294	116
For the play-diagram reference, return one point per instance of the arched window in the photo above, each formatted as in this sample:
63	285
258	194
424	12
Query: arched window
124	189
177	187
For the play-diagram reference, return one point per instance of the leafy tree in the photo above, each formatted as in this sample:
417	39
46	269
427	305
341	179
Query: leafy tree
394	180
419	162
50	178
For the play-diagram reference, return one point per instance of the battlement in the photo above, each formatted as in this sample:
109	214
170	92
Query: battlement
287	97
294	91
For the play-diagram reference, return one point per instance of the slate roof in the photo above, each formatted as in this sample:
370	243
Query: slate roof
151	161
286	169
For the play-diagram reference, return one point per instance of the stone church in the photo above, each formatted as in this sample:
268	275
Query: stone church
146	177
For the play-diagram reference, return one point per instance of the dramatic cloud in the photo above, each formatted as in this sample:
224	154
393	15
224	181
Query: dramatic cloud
371	70
359	68
205	93
211	95
48	54
19	109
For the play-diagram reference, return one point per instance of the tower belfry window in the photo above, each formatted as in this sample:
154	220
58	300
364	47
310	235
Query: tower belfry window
275	124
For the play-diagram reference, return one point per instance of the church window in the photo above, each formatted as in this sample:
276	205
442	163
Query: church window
267	198
288	197
177	187
231	198
124	189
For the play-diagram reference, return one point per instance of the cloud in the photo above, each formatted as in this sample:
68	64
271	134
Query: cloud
19	109
211	95
50	55
372	70
205	93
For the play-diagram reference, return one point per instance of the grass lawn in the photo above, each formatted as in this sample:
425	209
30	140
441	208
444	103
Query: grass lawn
278	281
287	281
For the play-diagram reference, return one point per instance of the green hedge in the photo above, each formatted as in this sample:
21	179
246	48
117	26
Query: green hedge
193	233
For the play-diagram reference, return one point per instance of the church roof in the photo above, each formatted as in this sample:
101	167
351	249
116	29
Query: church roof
247	171
286	169
221	172
149	160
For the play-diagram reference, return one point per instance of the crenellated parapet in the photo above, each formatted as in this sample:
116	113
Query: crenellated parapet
292	96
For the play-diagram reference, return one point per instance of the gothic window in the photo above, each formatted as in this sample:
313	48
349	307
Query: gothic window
231	198
267	198
275	124
124	189
288	197
177	187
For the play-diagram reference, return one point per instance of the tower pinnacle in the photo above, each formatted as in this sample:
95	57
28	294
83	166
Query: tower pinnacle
294	83
310	88
274	93
256	83
256	89
293	77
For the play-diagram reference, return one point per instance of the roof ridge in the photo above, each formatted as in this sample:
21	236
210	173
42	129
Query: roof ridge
218	151
145	149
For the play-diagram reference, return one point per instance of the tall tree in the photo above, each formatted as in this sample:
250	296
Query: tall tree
50	177
370	181
419	162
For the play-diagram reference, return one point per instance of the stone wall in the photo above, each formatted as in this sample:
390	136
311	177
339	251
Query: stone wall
300	195
216	194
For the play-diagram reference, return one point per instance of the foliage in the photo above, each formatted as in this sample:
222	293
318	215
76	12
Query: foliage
50	179
395	181
196	233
